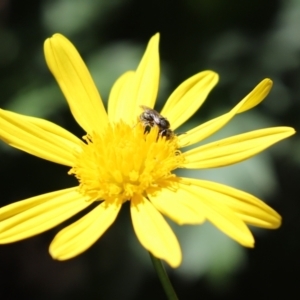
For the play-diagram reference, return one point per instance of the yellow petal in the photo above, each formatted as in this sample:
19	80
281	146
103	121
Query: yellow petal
247	207
153	232
180	209
188	97
49	141
75	82
81	235
205	130
65	136
234	149
219	214
118	101
142	88
29	217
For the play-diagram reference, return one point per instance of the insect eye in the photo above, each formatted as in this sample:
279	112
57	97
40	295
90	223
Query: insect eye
147	116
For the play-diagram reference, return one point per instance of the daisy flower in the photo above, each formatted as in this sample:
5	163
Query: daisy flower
120	159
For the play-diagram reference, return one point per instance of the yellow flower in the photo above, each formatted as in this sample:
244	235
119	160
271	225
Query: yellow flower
118	161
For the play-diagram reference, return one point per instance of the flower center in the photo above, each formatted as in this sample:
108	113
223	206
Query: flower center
123	161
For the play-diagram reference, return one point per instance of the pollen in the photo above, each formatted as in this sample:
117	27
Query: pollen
123	161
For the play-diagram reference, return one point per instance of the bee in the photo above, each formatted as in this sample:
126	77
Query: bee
151	118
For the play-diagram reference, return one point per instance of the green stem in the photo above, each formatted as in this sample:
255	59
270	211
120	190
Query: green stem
163	277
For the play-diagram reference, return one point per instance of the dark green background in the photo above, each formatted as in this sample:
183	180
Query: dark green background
244	41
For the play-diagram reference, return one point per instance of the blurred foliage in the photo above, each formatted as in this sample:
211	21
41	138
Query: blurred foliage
244	41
